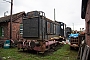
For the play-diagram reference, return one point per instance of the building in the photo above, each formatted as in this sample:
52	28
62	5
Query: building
16	25
85	14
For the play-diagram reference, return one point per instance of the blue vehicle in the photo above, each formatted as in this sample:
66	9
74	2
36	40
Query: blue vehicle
74	35
74	40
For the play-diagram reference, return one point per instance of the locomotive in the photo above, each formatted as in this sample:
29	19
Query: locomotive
40	33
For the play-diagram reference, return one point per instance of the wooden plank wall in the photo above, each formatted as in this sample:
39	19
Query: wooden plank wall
84	52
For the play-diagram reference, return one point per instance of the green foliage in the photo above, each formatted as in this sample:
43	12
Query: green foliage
64	53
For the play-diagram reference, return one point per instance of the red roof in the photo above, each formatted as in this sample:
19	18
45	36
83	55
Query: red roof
14	17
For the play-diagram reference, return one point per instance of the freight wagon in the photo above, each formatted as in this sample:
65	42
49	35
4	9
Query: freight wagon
39	32
76	40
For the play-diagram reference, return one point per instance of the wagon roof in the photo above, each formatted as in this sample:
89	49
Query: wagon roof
14	17
52	21
48	19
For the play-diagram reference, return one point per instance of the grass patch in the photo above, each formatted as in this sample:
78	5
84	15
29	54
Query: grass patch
64	53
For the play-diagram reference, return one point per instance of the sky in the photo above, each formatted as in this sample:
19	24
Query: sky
67	11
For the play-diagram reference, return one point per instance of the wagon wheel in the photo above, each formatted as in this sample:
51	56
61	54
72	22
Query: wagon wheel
23	49
71	47
32	44
43	47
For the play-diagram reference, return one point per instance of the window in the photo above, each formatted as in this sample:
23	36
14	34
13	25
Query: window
48	27
21	28
51	28
54	29
1	31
